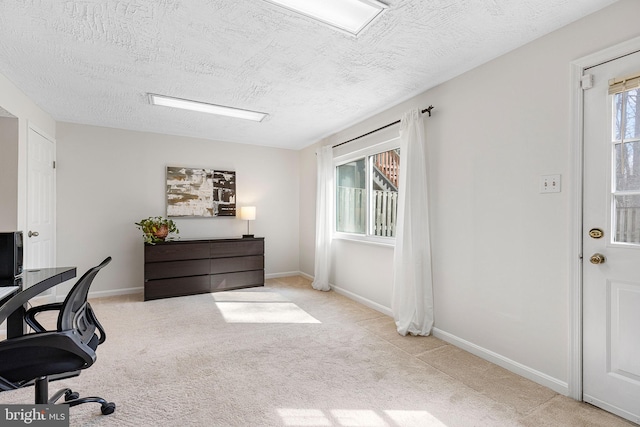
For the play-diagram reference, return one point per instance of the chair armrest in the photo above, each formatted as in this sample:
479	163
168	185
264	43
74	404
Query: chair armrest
30	318
30	315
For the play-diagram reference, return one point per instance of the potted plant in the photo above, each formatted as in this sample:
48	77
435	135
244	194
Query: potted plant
156	229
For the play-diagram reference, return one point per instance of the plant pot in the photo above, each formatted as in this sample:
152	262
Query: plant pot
162	232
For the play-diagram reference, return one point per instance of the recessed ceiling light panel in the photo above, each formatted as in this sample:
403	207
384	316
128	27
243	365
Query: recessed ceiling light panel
186	104
348	15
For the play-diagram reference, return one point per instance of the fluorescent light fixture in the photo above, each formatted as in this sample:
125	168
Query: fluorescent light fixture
185	104
348	15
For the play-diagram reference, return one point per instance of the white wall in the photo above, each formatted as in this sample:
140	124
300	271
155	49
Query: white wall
8	173
307	180
501	250
108	179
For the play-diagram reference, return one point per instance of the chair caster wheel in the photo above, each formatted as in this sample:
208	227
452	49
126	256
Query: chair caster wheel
108	408
71	396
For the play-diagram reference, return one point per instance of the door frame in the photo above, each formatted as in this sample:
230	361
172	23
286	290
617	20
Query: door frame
576	200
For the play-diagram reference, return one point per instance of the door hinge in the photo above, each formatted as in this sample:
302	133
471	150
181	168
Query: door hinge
54	164
586	81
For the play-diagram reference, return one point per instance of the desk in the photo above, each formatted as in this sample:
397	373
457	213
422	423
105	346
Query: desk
6	292
31	283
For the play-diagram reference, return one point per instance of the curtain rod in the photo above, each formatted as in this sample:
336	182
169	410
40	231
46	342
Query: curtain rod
426	110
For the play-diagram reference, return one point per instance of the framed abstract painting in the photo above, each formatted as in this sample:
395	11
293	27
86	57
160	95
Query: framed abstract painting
200	192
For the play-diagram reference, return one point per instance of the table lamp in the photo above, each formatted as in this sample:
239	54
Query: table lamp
248	213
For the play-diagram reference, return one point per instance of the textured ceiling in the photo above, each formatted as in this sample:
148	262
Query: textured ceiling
93	62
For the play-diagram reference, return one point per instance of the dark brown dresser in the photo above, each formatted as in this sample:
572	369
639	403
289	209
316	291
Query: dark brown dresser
187	267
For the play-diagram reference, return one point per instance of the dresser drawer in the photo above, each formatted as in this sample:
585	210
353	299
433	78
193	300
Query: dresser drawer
229	265
221	282
238	247
180	286
173	251
165	270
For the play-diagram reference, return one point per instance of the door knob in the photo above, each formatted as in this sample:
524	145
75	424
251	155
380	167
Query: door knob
597	259
33	233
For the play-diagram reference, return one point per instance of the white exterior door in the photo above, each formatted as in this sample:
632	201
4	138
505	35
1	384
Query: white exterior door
40	234
611	241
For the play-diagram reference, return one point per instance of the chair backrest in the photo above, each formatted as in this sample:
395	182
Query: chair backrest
75	312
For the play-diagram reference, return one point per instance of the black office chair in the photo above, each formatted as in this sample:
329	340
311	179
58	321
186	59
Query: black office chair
41	356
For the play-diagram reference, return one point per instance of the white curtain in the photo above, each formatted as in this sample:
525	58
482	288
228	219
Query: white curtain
324	218
412	301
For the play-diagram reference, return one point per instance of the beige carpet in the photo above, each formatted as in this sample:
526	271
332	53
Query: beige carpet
286	355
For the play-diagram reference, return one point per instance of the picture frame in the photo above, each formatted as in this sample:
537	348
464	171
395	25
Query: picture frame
200	192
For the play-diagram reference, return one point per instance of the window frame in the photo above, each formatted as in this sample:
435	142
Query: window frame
366	153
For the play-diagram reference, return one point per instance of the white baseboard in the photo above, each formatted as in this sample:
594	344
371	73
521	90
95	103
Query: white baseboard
305	275
284	274
115	292
364	301
515	367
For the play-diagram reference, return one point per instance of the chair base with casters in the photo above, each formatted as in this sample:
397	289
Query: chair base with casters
71	398
47	355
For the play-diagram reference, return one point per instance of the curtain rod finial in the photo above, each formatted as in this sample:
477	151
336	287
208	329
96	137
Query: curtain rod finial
428	110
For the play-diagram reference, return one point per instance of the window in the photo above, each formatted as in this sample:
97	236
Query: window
367	193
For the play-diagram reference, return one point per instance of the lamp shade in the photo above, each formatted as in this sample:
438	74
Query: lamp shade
248	213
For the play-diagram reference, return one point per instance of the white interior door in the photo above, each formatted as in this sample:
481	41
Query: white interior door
40	234
611	242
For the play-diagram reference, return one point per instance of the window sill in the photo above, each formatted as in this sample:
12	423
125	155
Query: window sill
389	242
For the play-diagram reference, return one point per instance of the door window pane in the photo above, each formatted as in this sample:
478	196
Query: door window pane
627	166
351	197
627	219
626	115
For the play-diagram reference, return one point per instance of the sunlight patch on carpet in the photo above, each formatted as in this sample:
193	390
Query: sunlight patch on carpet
357	418
414	418
259	307
304	417
248	296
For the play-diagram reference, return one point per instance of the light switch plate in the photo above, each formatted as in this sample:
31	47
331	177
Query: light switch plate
550	183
